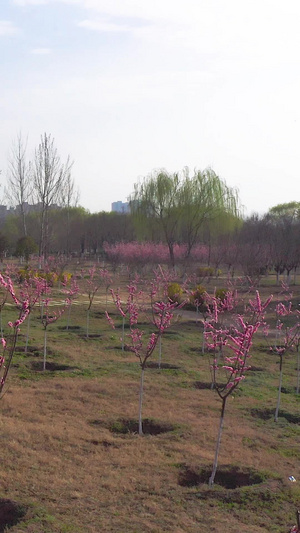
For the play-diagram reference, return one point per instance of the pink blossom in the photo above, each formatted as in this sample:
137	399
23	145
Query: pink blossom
110	320
238	379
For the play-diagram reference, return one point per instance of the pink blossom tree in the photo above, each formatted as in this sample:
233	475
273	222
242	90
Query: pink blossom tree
51	315
92	280
237	340
163	314
127	309
2	304
8	346
140	344
288	338
159	290
32	289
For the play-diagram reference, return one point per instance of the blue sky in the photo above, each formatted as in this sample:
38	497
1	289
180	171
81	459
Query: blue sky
128	86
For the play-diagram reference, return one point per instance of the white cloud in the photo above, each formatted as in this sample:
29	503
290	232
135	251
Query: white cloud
41	51
25	3
263	34
103	25
31	2
7	28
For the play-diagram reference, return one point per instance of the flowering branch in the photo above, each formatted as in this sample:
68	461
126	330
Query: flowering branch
237	339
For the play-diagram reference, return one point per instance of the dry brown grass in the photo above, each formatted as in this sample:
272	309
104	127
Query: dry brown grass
61	460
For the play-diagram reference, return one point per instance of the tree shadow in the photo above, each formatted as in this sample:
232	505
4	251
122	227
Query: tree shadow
268	414
10	514
229	477
125	426
167	366
50	366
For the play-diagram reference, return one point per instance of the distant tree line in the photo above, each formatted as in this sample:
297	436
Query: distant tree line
170	208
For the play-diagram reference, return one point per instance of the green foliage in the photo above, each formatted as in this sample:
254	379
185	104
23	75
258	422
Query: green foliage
25	247
205	272
220	294
50	277
3	244
177	206
175	292
290	209
65	277
198	298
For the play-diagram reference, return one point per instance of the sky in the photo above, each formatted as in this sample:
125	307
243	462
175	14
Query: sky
126	87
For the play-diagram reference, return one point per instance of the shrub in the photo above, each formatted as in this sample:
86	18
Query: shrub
25	247
175	292
65	277
221	294
198	298
205	272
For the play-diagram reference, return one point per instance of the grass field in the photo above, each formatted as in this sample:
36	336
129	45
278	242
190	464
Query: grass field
71	458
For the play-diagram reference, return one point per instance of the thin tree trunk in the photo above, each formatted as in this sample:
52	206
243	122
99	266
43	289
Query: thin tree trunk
123	326
279	389
298	371
214	470
220	354
141	401
69	318
159	352
27	334
171	252
45	349
106	299
42	233
23	220
203	337
87	323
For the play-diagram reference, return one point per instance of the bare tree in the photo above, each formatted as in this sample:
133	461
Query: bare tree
69	199
19	178
49	177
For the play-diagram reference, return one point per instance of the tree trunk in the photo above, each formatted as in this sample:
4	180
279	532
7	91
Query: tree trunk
298	371
27	334
87	323
214	469
171	252
279	389
159	352
123	335
45	349
141	401
69	318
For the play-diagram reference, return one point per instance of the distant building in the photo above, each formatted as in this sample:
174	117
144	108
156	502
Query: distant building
28	208
4	211
120	207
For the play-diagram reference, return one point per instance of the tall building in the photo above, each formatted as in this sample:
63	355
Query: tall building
120	207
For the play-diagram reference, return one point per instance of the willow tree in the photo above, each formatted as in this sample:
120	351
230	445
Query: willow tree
177	206
155	205
206	201
288	210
